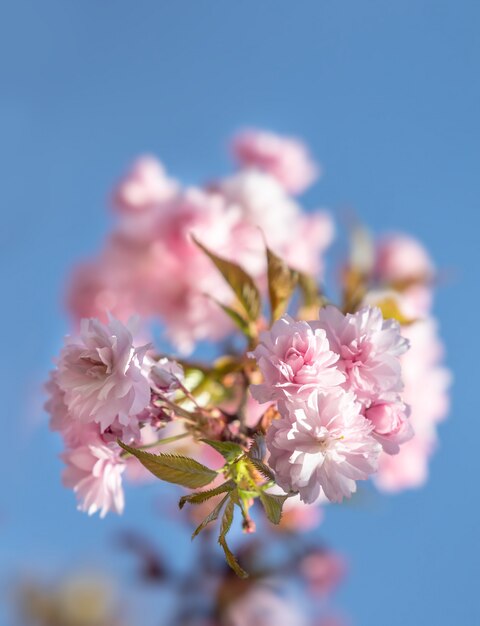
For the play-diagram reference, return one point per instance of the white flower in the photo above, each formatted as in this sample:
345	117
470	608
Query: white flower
323	444
94	472
100	375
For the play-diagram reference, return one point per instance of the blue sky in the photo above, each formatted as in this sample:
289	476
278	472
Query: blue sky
387	94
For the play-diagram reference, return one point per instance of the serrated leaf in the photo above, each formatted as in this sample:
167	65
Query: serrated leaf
273	505
203	496
264	470
174	468
282	281
240	282
211	517
229	450
257	449
227	520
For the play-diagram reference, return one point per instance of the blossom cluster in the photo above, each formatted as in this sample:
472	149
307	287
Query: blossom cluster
101	391
337	382
306	397
149	265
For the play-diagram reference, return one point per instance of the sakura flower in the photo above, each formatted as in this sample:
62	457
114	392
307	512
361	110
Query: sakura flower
263	204
61	421
167	376
408	469
427	382
401	258
100	375
94	472
285	158
391	426
322	445
294	358
262	606
310	237
369	348
144	186
322	570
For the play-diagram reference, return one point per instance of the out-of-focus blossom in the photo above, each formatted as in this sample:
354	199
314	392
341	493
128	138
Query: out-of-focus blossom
94	472
369	348
264	209
144	187
400	259
263	606
294	359
99	287
150	265
310	237
322	445
408	469
426	391
323	570
100	375
285	158
300	517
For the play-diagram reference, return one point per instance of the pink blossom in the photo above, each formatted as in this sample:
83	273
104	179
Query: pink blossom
262	204
310	237
268	214
427	382
167	376
100	375
72	430
285	158
391	426
408	469
322	445
261	606
300	517
323	571
151	267
294	358
369	348
94	472
184	274
95	289
413	303
402	258
144	186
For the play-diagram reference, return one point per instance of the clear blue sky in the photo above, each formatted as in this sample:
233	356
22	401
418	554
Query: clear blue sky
387	94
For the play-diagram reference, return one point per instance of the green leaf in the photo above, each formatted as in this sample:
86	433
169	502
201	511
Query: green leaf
264	470
174	468
227	520
257	449
273	505
310	291
241	283
211	517
229	450
282	281
241	323
203	496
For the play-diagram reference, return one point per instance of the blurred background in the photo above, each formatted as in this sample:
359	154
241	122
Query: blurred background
386	95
